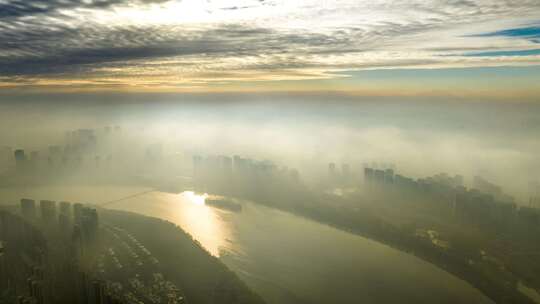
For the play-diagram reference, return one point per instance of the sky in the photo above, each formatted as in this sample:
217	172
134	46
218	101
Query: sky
487	49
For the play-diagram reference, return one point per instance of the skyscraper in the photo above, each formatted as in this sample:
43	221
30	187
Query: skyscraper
48	211
28	208
20	158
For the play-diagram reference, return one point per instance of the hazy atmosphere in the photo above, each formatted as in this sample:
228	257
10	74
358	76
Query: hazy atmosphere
421	138
268	151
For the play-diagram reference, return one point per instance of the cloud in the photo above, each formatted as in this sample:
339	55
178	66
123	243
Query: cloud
521	32
91	47
506	53
22	8
197	42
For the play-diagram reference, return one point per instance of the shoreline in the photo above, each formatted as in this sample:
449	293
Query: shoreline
410	245
397	240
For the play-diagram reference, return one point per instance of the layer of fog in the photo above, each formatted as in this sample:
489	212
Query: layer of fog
422	138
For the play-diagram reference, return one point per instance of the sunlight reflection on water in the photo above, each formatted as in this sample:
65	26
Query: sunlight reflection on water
200	220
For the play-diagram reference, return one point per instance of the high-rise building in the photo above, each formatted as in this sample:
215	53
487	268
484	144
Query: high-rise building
63	222
379	175
35	287
89	223
98	288
65	208
389	176
240	164
77	212
486	186
331	170
534	194
368	175
529	216
3	270
20	158
28	208
48	211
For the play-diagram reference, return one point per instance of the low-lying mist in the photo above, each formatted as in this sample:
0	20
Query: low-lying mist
495	140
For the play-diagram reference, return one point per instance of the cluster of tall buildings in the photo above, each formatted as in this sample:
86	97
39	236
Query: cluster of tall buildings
219	166
81	140
36	287
379	176
244	177
43	251
102	154
3	270
75	226
442	184
340	176
483	208
69	267
534	194
96	291
483	204
61	214
80	147
23	250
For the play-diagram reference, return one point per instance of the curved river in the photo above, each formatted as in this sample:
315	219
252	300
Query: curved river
283	257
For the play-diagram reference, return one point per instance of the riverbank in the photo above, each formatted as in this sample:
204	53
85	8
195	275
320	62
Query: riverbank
331	213
202	277
131	256
284	258
498	286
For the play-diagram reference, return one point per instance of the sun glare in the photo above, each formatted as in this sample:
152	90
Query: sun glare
197	199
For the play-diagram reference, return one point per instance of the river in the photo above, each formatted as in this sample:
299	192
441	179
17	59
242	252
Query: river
283	257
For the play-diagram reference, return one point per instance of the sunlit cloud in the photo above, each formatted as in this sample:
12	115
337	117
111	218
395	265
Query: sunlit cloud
191	43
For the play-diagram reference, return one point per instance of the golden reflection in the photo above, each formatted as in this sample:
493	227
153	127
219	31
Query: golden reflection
205	224
198	199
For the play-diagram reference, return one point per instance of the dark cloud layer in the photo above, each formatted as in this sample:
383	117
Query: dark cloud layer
22	8
84	48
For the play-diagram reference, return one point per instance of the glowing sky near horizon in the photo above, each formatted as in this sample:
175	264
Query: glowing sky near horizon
272	45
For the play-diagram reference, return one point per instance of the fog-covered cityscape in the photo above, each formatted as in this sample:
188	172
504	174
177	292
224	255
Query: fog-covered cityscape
269	151
72	192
